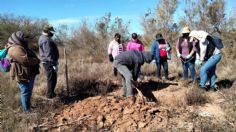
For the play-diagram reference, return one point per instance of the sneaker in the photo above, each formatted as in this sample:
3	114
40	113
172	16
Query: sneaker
213	88
51	96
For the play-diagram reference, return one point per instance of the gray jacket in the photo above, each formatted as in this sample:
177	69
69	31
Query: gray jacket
48	50
133	60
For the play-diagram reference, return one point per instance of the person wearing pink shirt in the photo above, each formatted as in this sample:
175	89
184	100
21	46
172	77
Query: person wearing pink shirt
135	43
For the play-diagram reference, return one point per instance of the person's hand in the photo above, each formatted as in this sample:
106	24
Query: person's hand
55	68
167	48
135	83
111	59
188	56
198	62
179	55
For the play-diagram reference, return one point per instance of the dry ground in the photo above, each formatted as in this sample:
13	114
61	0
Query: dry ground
94	103
165	108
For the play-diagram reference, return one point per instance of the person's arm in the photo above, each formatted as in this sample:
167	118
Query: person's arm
109	51
142	46
153	49
177	47
168	48
194	49
203	47
47	50
128	46
136	71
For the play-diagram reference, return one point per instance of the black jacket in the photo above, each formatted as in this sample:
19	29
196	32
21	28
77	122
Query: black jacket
133	60
48	50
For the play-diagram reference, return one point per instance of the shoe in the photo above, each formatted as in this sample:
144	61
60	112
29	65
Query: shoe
167	79
51	96
213	88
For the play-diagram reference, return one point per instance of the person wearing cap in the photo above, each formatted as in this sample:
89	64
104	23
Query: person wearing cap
161	50
24	66
49	56
186	52
208	56
128	64
135	43
115	47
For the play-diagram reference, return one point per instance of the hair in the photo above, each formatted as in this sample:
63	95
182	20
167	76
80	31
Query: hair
134	35
117	35
158	35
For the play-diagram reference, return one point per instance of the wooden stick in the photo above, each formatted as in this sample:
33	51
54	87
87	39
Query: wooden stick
140	93
46	127
66	72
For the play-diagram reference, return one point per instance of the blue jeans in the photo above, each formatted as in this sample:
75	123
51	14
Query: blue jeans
208	70
26	89
190	66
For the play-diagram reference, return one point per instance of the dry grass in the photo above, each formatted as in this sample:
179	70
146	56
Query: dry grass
195	96
88	79
229	106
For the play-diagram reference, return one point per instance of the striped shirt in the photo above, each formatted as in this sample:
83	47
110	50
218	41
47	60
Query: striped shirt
115	48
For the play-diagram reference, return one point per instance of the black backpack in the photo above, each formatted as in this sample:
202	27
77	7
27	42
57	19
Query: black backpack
214	42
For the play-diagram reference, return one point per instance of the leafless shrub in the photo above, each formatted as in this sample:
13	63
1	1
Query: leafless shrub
195	96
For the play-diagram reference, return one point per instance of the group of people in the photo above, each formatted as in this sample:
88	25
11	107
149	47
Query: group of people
192	47
25	63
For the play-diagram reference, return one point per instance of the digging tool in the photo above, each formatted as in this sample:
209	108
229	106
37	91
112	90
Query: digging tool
140	94
186	60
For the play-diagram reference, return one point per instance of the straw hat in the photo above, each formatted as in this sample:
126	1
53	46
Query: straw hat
185	30
200	35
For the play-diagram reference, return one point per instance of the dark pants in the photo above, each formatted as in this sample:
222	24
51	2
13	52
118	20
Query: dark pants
162	62
51	79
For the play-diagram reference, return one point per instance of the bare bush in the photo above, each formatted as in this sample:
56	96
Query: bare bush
10	23
195	96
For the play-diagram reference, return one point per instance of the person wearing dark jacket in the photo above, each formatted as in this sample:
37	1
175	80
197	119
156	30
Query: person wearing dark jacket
161	50
49	56
128	64
207	56
24	66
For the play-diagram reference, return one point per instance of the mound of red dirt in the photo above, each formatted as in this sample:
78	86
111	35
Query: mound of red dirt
113	112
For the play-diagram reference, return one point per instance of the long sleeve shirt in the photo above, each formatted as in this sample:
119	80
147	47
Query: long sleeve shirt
114	48
138	45
203	42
